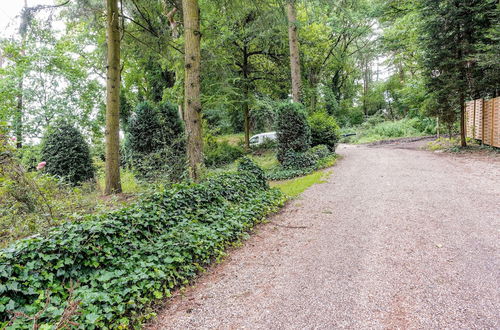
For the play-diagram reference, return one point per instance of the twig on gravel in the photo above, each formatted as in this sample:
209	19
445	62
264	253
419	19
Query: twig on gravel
291	227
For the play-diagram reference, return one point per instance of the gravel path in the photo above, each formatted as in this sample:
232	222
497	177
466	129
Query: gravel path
397	238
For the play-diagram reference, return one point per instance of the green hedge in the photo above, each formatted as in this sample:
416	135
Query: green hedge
121	262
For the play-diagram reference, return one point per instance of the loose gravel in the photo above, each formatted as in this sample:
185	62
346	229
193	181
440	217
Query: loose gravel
397	238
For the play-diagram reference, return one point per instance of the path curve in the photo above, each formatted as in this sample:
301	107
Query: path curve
397	238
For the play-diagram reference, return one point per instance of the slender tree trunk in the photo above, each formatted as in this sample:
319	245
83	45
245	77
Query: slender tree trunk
246	114
437	127
294	51
18	117
192	100
112	182
463	141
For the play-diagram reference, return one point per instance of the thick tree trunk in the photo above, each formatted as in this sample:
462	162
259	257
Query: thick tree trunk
294	51
463	141
192	100
112	182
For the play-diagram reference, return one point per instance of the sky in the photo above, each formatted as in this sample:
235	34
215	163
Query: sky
9	9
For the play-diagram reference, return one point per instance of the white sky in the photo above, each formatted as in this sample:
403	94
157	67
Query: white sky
10	11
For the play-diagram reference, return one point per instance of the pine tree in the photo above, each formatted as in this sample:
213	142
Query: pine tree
451	31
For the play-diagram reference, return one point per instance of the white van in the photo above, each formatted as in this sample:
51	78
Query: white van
262	137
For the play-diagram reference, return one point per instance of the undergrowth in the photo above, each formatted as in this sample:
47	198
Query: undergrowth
107	270
376	129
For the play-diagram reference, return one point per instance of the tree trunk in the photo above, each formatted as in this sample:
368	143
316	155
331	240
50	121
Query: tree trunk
18	117
246	114
192	100
294	51
112	182
463	141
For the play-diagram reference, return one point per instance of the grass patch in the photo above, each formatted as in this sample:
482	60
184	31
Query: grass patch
294	187
444	144
377	129
236	139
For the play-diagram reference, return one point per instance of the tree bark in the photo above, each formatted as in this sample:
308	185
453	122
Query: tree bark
294	51
463	141
18	117
112	181
246	114
192	99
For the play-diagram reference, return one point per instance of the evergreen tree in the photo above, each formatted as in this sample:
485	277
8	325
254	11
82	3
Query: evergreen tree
451	31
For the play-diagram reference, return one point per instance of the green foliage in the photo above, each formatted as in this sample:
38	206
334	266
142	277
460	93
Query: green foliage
31	202
299	164
113	266
376	128
292	128
67	154
324	130
451	35
220	153
298	160
155	144
30	156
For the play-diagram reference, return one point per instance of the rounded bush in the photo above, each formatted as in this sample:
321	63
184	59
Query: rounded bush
67	154
292	129
324	130
155	143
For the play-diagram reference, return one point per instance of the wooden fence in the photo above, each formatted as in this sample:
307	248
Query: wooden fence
483	120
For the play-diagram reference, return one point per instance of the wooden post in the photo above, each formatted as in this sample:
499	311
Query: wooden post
482	121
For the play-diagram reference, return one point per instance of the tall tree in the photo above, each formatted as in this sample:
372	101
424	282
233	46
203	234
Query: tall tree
294	50
192	97
451	30
112	182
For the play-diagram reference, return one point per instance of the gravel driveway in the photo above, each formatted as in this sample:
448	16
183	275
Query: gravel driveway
397	238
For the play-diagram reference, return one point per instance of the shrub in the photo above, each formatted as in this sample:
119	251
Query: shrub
113	266
299	164
293	130
67	154
220	153
155	144
298	160
31	202
320	151
30	156
324	130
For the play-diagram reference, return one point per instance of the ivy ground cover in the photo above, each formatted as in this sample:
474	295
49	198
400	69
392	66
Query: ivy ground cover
106	271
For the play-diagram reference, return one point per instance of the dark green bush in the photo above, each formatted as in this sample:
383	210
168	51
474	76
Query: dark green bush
292	129
324	130
155	144
67	154
298	160
298	164
320	151
220	153
113	266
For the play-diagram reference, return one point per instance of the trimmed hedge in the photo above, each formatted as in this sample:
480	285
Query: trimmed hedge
120	262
